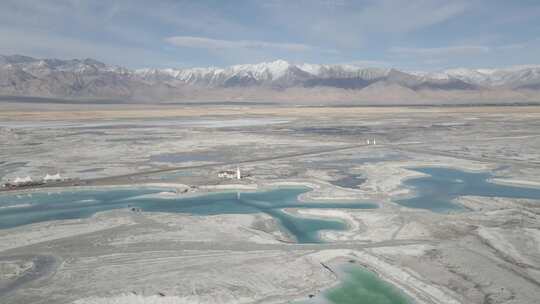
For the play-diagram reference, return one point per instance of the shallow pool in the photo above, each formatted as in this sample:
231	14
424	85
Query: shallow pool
361	286
437	191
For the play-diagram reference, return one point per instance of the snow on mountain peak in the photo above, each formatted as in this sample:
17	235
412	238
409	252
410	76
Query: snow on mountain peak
514	75
281	73
271	70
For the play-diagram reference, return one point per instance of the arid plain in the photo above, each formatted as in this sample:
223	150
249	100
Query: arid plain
482	247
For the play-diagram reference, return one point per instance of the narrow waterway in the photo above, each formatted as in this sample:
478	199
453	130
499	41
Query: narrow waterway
23	209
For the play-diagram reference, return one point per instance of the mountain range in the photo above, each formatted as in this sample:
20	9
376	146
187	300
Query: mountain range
278	81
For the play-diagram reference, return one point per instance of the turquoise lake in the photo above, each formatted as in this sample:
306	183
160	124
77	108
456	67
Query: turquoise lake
436	191
28	208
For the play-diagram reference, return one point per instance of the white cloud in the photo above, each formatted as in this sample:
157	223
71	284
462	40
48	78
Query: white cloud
456	50
352	24
402	17
208	43
46	45
131	32
370	63
513	46
441	51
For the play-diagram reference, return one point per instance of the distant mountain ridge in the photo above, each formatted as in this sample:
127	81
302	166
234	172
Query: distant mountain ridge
89	78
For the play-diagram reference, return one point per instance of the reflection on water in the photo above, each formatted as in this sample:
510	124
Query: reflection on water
442	185
43	206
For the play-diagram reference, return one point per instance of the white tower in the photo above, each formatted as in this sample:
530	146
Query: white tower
238	174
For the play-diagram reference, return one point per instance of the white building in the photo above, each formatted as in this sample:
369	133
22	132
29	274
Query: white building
52	178
230	174
22	180
371	141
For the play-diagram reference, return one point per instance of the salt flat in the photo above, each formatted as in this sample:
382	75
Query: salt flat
487	253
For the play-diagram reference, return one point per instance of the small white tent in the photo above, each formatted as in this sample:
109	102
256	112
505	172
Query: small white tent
51	178
22	180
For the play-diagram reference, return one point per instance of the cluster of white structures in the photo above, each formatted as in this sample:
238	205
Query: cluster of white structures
371	141
22	180
27	181
230	174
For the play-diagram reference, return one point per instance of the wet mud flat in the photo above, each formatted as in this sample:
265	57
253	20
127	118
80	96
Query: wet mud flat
351	181
41	267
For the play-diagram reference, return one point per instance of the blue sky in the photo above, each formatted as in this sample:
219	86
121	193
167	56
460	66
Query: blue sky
409	34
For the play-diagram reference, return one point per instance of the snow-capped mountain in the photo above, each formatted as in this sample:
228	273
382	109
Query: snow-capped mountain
267	73
22	75
282	73
514	77
238	75
33	65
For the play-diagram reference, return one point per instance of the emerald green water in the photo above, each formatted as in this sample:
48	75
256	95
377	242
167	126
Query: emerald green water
360	286
23	209
364	287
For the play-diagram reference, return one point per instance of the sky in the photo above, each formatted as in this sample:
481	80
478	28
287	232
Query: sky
407	34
